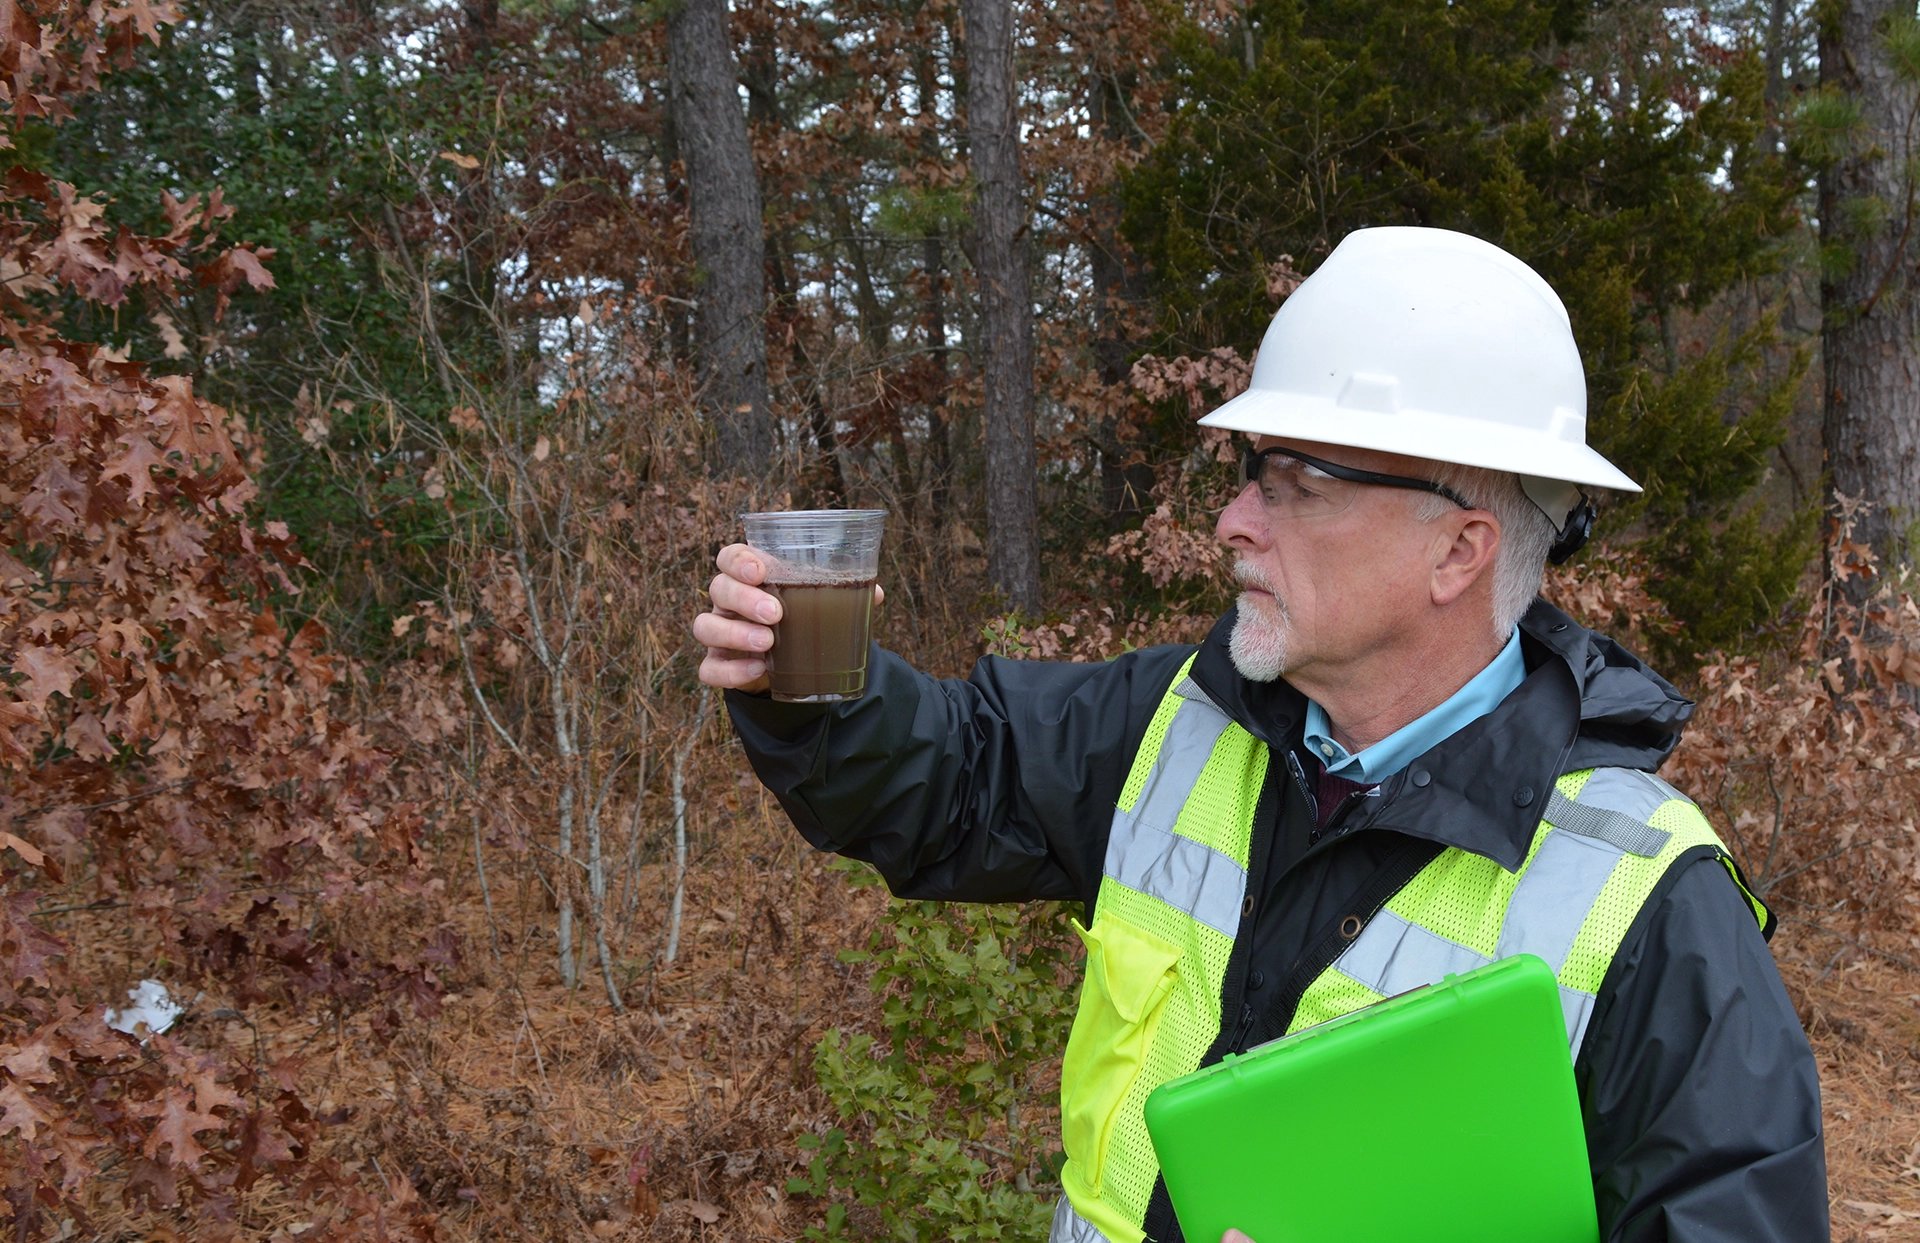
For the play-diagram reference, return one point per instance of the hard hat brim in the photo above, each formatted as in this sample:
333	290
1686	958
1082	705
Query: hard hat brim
1427	434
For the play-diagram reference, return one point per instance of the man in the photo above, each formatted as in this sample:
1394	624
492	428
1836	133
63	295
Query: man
1390	761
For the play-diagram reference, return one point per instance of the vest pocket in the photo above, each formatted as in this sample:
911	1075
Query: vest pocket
1130	973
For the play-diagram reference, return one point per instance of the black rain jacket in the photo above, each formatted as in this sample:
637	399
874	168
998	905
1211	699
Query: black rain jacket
1699	1091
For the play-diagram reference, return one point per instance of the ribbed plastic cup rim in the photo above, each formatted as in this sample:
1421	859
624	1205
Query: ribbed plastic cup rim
816	513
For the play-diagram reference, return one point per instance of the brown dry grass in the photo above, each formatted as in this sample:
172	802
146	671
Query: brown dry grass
1861	1007
527	1112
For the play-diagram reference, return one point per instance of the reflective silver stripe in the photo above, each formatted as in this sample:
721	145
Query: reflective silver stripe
1143	852
1628	791
1392	955
1187	688
1189	740
1070	1227
1553	898
1179	871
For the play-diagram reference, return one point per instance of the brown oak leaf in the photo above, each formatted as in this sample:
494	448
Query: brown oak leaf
48	671
25	951
54	499
248	263
19	1111
179	1123
31	1062
134	466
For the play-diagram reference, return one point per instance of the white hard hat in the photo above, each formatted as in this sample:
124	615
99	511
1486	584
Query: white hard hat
1435	345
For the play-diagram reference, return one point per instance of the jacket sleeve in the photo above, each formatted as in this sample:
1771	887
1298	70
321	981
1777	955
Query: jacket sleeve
1700	1093
996	788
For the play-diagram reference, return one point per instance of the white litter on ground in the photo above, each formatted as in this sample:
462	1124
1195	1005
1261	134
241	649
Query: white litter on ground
151	1006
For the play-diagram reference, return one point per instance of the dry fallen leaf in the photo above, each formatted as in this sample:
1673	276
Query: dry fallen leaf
1875	1209
25	850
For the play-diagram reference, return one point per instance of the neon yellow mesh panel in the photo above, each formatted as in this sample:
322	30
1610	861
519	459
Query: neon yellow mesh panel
1332	994
1202	967
1219	811
1461	896
1188	1025
1627	889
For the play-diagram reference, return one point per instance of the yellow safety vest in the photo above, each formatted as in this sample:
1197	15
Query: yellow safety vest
1171	901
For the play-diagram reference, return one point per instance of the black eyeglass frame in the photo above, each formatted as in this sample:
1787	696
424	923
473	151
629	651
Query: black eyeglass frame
1253	462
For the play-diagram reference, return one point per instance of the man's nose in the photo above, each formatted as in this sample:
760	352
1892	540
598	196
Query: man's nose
1242	524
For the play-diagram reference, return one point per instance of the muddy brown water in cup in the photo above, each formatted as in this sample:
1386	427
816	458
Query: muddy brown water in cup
820	643
822	564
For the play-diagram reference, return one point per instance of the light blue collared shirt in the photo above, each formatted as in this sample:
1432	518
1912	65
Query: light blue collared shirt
1374	764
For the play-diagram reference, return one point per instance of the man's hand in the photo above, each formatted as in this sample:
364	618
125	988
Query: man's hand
739	629
1234	1236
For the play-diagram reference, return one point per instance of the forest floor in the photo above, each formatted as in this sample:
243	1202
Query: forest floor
527	1111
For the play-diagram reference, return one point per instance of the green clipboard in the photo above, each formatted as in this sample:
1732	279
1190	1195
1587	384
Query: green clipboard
1444	1115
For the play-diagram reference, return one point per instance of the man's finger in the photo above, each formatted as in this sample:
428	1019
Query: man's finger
742	562
731	634
733	598
726	672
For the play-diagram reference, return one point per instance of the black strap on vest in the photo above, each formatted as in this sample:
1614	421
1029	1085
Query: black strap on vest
1395	872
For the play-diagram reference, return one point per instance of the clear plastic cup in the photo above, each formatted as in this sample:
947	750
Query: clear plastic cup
822	564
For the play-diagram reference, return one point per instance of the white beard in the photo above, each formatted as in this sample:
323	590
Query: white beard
1258	644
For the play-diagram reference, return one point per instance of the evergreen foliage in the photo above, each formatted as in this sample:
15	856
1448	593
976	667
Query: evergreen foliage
1706	434
1626	166
319	145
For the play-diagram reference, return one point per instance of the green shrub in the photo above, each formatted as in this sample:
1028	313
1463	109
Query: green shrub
950	1124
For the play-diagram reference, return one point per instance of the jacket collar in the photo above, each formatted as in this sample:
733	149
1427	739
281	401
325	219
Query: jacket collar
1586	702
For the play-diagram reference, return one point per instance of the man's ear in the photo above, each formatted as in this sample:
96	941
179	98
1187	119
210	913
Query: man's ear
1468	557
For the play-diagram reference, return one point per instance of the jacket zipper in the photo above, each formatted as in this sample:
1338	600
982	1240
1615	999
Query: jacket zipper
1234	985
1301	784
1237	968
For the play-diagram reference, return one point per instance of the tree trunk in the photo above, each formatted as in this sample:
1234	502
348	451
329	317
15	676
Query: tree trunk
1006	305
1125	480
874	335
933	323
933	315
1870	314
1775	91
729	247
820	480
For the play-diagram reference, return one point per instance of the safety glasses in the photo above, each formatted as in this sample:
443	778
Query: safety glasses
1297	485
